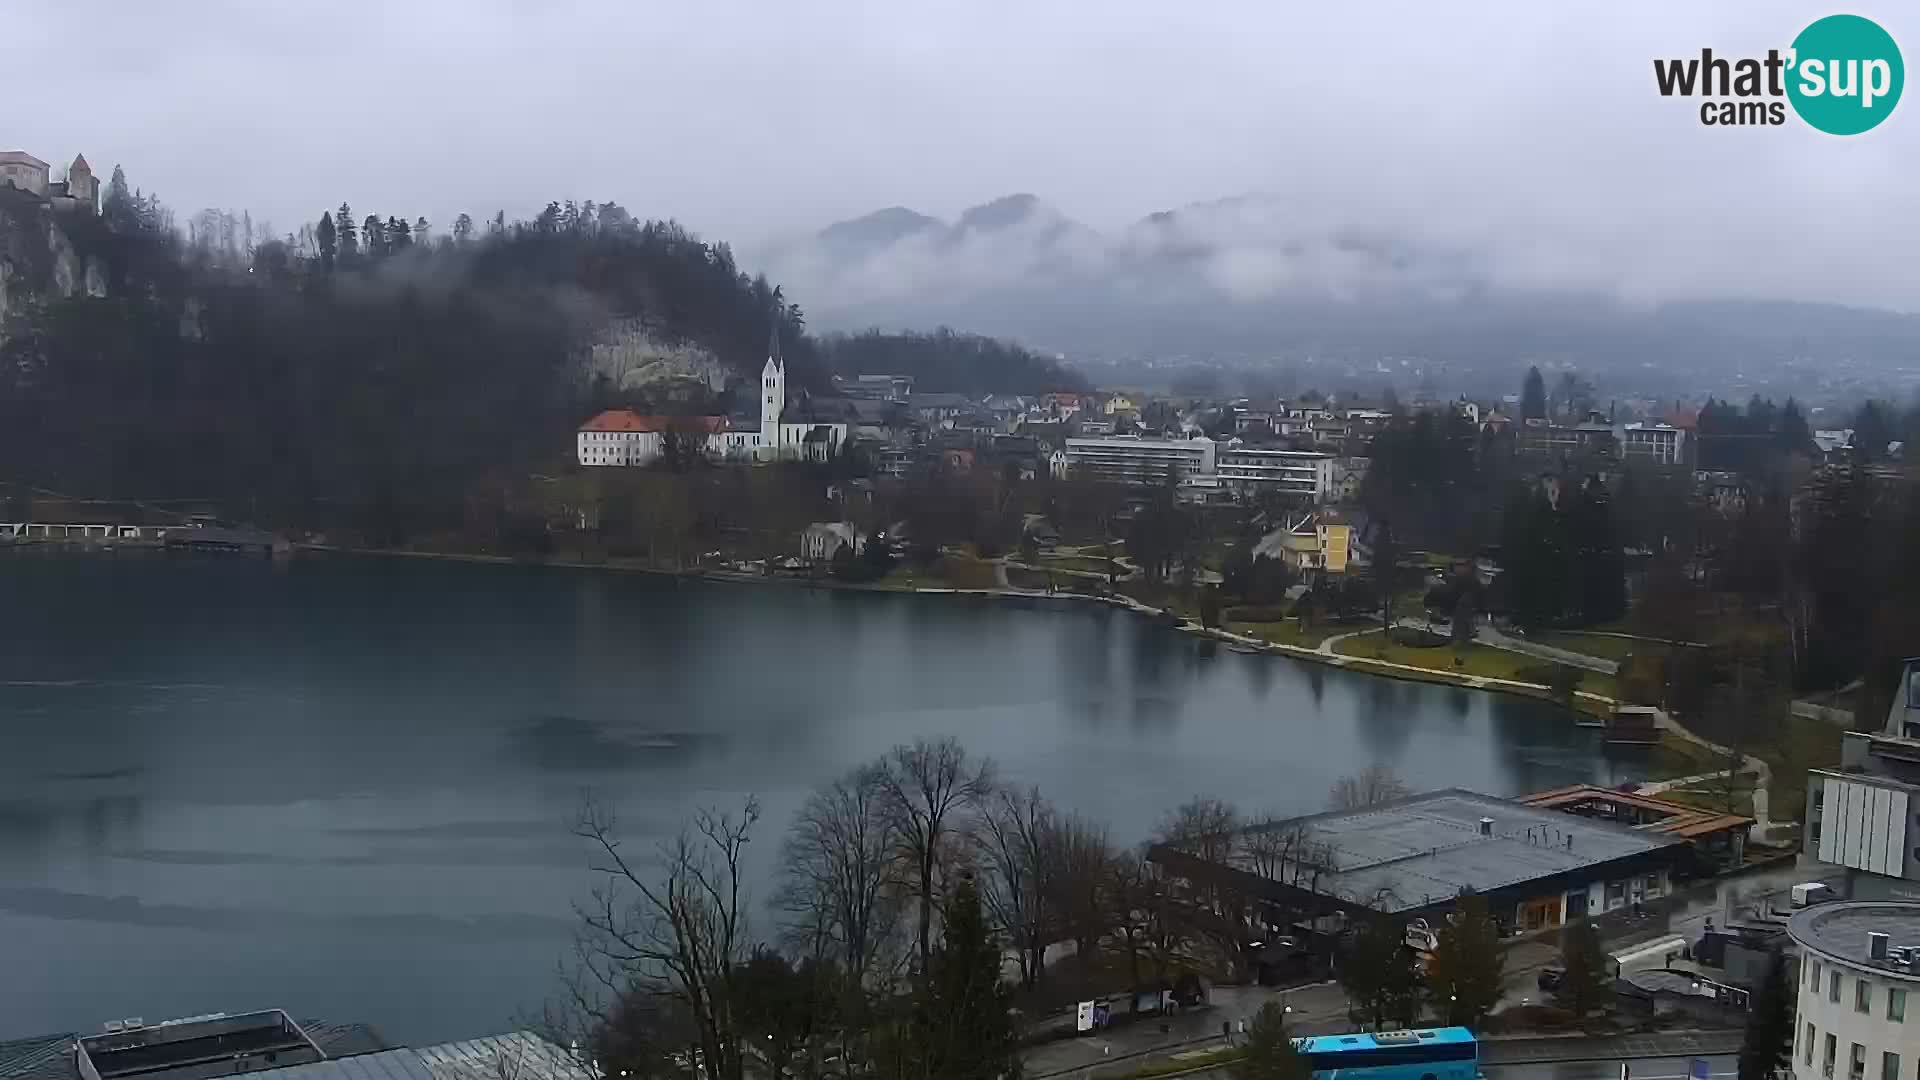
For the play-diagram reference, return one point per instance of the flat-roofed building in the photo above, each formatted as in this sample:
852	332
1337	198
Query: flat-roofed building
1127	459
1415	857
1305	474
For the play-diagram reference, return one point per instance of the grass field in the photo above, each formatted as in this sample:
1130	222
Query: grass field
1090	564
1287	632
1600	645
1479	660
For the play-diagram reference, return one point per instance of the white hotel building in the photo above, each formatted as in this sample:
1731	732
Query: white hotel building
1858	1016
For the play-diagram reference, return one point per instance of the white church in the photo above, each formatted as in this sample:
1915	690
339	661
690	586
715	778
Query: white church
624	437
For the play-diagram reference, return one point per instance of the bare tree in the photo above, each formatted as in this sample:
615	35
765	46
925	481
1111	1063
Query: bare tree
674	935
1018	884
1139	909
1203	827
929	789
1081	858
841	872
1371	786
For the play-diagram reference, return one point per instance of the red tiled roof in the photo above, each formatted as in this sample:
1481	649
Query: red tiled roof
628	420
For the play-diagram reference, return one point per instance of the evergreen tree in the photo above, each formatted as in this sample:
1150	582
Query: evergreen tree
1386	572
325	237
1600	567
119	208
1464	972
1767	1049
463	230
962	1029
1378	974
1795	436
422	232
399	235
374	235
1533	396
344	228
1585	986
1270	1053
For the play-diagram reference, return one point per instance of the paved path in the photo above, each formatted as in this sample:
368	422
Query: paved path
1763	826
1489	636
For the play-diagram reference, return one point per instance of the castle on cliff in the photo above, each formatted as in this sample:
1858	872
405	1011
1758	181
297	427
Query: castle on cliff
80	190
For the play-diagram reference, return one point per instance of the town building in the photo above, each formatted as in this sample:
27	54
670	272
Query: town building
1319	542
822	540
1305	474
1415	857
79	191
1862	815
1719	839
1653	444
271	1045
1591	437
1859	974
875	387
1129	459
786	431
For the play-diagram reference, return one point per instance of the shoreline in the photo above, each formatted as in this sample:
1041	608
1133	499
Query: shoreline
1245	643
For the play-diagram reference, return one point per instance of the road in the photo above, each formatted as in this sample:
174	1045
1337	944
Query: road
1666	1068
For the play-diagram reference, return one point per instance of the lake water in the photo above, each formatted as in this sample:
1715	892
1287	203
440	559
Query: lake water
342	786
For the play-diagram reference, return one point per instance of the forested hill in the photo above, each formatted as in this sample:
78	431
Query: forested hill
948	362
358	372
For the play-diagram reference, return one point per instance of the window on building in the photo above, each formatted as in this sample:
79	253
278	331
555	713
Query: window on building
1857	1062
1813	833
1807	1053
1833	987
1819	795
1889	1066
1813	976
1862	995
1896	1005
1826	1055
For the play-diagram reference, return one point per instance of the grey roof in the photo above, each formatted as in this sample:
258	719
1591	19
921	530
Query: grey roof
518	1055
1839	931
1428	849
43	1057
383	1065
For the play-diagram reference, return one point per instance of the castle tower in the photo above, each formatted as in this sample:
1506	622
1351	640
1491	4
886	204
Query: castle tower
82	186
773	392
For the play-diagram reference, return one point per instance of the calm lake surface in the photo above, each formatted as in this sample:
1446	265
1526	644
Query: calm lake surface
341	786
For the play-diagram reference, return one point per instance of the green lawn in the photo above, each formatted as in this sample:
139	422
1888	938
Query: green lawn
1287	632
1801	745
1090	564
1481	660
1600	645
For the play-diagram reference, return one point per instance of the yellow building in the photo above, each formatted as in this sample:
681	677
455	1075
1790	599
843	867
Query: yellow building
1119	403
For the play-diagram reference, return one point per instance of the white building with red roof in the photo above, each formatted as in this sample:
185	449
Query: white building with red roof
624	437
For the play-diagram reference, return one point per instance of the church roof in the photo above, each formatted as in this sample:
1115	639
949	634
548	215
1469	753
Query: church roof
20	157
80	164
773	346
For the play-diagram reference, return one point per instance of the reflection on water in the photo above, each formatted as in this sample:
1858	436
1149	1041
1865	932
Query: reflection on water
343	786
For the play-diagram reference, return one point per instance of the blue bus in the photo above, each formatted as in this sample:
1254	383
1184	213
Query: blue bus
1449	1053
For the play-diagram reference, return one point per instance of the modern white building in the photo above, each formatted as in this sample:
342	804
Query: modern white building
1859	973
1128	459
1307	474
624	437
1862	815
1657	444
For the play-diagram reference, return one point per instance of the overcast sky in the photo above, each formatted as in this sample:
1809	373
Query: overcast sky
750	119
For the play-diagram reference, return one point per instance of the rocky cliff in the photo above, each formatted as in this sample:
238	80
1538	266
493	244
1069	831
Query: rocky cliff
38	258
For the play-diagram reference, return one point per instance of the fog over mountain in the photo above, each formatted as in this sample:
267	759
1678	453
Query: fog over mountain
1264	275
